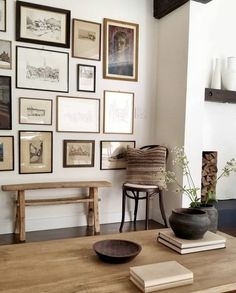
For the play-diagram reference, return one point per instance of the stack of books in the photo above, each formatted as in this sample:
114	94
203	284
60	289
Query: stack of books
209	241
159	276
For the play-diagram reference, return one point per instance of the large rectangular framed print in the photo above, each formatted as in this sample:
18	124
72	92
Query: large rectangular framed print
5	103
41	69
6	153
42	24
3	15
35	152
120	49
78	114
113	154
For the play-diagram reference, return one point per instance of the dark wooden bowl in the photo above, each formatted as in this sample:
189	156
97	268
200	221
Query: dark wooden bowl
116	250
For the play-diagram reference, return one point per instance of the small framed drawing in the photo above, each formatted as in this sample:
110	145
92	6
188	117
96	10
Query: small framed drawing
5	54
5	103
35	152
6	153
120	50
118	112
86	39
42	70
43	25
78	153
86	78
78	114
35	111
113	154
3	10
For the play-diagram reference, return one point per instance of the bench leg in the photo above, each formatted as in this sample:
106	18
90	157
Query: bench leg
90	209
21	217
96	211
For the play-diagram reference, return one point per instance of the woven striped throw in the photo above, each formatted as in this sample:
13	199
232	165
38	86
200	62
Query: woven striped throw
144	166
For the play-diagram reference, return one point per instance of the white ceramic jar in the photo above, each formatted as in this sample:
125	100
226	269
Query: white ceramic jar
216	75
229	74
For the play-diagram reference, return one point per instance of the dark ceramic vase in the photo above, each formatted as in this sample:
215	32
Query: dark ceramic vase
189	223
212	213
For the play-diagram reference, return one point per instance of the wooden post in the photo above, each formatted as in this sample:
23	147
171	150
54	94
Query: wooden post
91	208
96	211
21	217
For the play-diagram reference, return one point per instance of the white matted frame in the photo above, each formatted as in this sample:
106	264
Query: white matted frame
35	111
35	152
118	112
41	69
78	114
6	54
6	153
3	14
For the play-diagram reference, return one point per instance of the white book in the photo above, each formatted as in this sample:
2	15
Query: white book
209	238
191	249
160	273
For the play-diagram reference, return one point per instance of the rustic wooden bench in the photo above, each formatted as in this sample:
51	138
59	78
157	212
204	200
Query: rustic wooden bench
91	198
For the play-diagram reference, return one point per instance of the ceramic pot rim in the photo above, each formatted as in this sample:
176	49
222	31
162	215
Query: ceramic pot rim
189	211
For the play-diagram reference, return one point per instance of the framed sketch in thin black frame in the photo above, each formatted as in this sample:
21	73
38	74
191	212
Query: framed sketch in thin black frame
35	151
86	40
43	70
78	153
43	25
35	111
3	16
113	154
6	153
5	54
86	78
5	103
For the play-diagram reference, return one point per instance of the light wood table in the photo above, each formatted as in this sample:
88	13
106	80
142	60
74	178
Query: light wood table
91	198
71	265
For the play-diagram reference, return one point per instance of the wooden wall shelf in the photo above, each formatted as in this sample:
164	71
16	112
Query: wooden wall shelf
221	96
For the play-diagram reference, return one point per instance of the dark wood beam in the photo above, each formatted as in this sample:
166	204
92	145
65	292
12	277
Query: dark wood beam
163	7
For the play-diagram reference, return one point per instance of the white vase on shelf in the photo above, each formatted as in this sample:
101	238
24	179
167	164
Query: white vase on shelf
216	75
229	74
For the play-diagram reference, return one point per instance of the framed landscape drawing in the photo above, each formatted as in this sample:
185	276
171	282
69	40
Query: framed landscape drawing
78	114
86	39
118	112
78	153
43	70
35	111
5	54
86	78
35	152
42	24
120	50
6	153
3	15
113	154
5	103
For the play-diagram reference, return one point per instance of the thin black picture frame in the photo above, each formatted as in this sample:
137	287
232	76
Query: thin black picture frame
5	103
80	86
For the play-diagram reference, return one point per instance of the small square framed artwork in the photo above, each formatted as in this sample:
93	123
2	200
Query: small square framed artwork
35	111
86	78
3	13
113	154
78	153
6	153
35	152
5	54
5	103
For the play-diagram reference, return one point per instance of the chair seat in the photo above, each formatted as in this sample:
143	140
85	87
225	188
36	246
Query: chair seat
127	184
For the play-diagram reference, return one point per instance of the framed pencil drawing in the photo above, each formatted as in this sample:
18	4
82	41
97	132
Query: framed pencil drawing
118	112
35	152
43	70
5	103
35	111
3	15
86	81
5	54
78	153
86	40
43	25
120	49
113	154
6	153
78	114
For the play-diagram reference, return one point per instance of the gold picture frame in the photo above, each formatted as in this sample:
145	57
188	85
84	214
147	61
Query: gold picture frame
6	153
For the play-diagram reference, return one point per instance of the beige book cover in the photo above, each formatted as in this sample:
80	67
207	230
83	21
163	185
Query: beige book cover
160	273
209	238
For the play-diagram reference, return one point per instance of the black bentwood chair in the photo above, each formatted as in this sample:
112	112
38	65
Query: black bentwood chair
144	179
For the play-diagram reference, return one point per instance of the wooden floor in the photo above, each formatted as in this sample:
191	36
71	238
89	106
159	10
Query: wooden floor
76	232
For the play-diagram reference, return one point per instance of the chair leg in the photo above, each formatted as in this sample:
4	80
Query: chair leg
136	208
163	214
123	210
147	211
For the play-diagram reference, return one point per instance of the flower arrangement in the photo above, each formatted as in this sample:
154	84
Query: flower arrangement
181	161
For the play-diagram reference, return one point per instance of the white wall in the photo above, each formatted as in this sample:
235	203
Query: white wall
145	92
